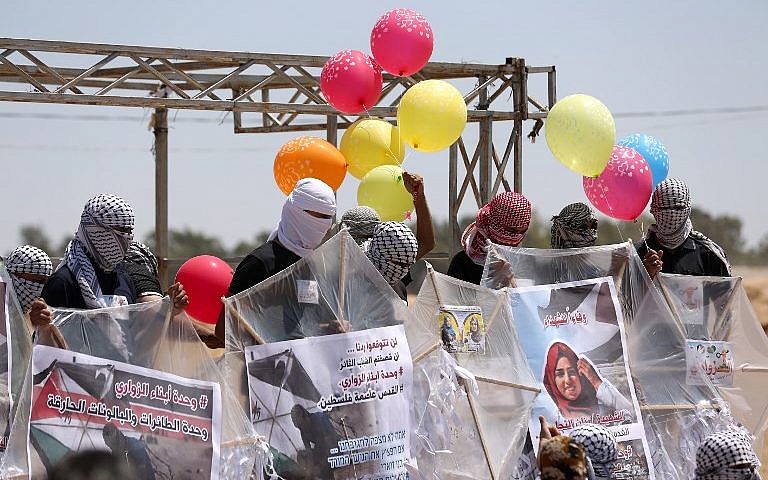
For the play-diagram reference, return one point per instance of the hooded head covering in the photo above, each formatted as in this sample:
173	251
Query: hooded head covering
392	250
507	211
671	208
726	455
600	446
574	227
361	222
140	254
32	260
586	403
98	242
298	230
560	458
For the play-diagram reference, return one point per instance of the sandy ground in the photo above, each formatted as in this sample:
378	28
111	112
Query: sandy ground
756	285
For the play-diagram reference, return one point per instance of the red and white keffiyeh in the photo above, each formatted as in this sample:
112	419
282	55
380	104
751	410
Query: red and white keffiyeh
503	220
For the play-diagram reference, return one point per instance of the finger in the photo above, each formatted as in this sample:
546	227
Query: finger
661	254
553	431
545	432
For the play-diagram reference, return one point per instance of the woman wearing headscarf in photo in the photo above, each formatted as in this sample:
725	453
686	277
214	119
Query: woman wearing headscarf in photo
726	455
306	217
574	227
671	245
504	220
576	388
30	268
392	250
88	276
600	446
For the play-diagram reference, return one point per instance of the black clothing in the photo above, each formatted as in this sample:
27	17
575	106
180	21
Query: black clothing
693	257
260	264
464	268
144	281
62	290
401	290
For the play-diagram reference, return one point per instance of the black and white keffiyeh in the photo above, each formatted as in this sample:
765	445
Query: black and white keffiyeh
392	250
141	254
726	455
600	446
32	260
97	241
574	227
671	208
361	221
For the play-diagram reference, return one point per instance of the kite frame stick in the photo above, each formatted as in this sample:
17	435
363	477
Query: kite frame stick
483	441
242	322
342	275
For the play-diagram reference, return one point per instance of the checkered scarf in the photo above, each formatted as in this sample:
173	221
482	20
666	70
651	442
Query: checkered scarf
671	208
493	222
392	250
563	459
140	254
573	227
28	259
600	446
97	241
721	452
361	222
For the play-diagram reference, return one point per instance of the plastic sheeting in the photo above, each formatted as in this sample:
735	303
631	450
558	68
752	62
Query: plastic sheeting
718	309
14	352
143	335
676	415
473	426
333	290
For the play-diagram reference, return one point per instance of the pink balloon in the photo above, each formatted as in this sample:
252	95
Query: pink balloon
623	189
402	42
351	81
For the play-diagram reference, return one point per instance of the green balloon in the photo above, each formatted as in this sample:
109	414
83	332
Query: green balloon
383	190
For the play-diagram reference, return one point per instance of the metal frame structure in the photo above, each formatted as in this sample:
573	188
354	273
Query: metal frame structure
282	93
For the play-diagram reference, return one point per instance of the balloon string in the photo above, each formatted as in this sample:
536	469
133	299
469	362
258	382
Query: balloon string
399	140
610	208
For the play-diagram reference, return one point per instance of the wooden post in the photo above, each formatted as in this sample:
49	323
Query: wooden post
453	201
485	144
520	99
161	193
552	87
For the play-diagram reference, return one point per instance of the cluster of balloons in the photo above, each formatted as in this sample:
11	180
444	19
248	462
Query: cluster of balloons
618	177
431	116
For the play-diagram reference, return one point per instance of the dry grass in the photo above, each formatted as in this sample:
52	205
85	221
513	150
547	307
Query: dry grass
756	286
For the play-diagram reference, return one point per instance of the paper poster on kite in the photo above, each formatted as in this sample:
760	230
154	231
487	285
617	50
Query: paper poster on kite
335	406
574	340
713	359
162	425
462	329
6	403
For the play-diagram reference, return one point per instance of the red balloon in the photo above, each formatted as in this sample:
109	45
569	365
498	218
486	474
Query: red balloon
206	279
402	42
351	81
623	189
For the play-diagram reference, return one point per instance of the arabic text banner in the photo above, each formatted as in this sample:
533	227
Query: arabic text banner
574	340
161	424
335	406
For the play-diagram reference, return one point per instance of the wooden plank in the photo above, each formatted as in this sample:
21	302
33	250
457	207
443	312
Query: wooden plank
21	73
222	81
120	82
467	69
186	77
45	68
161	193
86	73
453	200
146	66
548	69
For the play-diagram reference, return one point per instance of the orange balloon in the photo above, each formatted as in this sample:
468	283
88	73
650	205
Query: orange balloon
306	157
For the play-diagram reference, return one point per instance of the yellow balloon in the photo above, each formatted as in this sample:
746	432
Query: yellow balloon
368	143
431	115
581	134
383	190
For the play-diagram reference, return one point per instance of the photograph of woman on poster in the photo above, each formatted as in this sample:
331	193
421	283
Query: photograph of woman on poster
575	386
474	333
449	332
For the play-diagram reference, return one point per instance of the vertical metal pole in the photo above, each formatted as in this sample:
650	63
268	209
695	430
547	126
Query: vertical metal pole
453	207
484	141
161	193
552	87
520	96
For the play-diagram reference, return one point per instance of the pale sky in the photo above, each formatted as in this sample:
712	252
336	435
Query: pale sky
634	56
